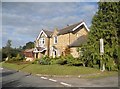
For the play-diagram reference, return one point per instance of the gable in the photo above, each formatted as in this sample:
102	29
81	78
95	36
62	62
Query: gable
55	32
81	24
72	28
42	33
45	33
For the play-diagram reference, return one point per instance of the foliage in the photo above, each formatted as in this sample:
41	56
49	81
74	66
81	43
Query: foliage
105	24
36	61
7	49
44	60
29	45
18	58
0	54
71	61
61	61
10	52
53	60
67	51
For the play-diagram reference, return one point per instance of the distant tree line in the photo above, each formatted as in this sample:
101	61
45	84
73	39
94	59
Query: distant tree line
8	51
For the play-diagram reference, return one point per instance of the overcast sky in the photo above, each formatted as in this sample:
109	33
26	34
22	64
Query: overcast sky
22	21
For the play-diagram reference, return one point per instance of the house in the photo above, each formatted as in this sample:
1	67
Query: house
61	41
29	55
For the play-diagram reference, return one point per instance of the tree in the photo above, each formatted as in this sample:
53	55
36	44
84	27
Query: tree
29	45
8	48
10	52
105	24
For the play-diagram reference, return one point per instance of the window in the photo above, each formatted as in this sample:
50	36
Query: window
55	40
42	41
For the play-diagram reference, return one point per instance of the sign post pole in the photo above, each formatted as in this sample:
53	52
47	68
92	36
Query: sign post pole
102	65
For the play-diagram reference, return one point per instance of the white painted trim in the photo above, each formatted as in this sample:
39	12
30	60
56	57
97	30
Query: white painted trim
40	42
53	52
40	51
83	23
41	33
54	39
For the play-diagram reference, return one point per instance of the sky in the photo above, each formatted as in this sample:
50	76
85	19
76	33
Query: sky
23	21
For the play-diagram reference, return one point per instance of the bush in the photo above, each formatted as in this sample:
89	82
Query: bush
96	66
36	61
45	60
61	61
16	59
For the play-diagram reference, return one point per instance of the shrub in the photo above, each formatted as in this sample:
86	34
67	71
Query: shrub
36	61
61	61
45	60
53	60
16	59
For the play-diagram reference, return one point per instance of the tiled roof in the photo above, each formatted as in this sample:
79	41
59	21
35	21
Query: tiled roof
48	33
29	50
68	29
82	39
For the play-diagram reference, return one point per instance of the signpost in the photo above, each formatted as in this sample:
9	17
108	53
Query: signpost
102	67
101	47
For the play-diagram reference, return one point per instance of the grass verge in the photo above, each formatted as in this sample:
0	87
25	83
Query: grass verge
59	70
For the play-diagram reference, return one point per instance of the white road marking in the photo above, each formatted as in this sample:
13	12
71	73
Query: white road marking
28	76
53	80
65	84
43	77
1	68
19	85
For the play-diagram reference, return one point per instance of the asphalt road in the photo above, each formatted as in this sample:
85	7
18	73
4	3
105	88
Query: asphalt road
11	78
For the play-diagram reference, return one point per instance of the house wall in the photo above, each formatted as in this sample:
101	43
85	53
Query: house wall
74	52
46	45
76	35
63	41
66	39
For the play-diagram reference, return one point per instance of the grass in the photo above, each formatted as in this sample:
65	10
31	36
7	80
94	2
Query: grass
12	66
102	75
59	70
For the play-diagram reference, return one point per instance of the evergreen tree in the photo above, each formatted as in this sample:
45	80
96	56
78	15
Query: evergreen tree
8	48
105	24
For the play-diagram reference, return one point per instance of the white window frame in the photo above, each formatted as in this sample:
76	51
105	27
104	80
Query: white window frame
41	41
55	39
55	53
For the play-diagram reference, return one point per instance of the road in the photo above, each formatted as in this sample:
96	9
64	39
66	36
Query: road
12	78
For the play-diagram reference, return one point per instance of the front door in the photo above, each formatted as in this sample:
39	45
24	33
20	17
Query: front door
54	53
36	55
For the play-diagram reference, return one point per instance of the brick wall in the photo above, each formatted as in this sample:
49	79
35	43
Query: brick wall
66	39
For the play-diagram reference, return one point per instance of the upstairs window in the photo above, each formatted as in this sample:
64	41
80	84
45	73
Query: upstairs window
55	39
42	41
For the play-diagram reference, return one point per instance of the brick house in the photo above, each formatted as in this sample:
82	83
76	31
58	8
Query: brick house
29	55
60	42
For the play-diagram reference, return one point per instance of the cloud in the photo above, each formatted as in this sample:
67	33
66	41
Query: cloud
22	21
52	0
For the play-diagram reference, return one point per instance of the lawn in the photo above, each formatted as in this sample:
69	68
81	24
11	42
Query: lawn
57	69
